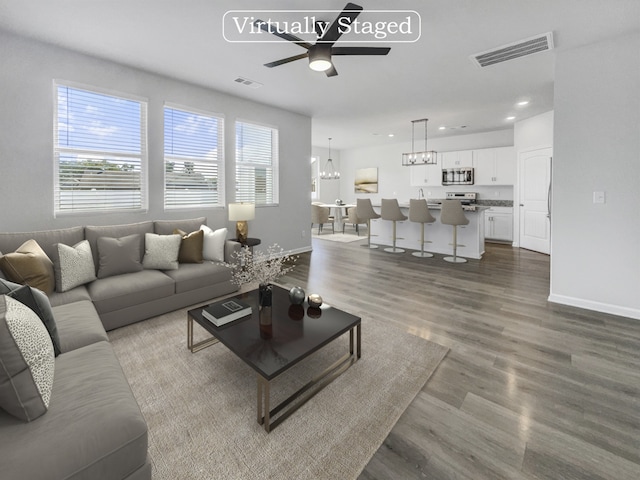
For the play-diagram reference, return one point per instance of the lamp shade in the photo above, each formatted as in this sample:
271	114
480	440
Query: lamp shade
242	211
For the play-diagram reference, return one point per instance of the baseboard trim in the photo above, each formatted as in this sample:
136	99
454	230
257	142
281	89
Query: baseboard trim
596	306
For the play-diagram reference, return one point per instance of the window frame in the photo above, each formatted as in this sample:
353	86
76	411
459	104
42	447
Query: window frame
220	162
274	166
58	150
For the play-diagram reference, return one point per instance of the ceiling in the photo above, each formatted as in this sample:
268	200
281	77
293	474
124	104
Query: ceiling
372	96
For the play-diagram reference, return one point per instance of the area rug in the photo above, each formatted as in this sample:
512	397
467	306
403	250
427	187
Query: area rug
201	408
339	237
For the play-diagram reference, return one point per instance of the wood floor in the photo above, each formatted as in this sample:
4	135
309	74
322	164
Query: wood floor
529	389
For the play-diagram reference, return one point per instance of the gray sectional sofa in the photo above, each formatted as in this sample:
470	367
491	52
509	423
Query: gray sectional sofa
93	428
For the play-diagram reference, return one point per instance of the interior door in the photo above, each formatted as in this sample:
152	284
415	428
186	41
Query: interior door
535	200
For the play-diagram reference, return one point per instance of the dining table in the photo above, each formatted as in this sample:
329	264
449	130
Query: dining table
339	213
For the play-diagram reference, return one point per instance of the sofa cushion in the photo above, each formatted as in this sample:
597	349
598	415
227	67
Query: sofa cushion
78	325
29	265
92	233
191	276
37	301
166	227
74	295
119	255
161	251
9	242
26	361
93	429
191	246
73	265
214	243
122	291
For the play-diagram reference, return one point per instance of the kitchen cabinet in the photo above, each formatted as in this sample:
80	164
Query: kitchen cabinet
425	175
456	159
498	224
495	166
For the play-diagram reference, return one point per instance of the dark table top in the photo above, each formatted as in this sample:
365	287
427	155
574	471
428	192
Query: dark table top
296	331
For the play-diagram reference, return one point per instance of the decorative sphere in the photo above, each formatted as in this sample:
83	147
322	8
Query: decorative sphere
296	295
314	300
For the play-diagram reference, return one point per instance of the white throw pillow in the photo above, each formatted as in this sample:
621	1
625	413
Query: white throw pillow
213	248
161	251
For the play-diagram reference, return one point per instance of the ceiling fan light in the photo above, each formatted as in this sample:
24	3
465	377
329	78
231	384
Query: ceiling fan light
320	58
320	65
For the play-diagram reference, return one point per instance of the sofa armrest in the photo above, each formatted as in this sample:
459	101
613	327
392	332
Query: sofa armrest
230	247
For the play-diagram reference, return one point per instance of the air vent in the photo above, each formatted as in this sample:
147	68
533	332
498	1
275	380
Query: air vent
521	48
248	83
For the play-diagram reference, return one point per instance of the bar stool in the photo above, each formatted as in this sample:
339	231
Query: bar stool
391	211
365	212
452	214
419	213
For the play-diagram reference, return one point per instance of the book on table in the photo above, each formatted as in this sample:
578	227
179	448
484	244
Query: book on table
226	311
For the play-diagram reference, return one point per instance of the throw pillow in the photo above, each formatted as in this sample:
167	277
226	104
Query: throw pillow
214	241
161	251
39	303
74	265
29	265
26	361
191	246
118	255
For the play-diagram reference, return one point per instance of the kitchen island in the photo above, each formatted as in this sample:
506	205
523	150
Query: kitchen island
441	236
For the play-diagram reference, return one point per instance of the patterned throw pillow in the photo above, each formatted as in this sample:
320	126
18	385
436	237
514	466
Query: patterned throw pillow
214	241
37	301
26	361
161	251
29	265
74	265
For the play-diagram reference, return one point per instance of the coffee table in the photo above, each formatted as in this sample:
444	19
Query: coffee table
271	342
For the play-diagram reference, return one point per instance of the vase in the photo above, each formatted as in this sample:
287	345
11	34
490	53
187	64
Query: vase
265	293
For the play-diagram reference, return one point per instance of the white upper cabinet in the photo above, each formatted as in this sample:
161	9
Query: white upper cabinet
495	166
457	159
425	175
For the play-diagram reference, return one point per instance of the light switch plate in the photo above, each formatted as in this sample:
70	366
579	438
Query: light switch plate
598	197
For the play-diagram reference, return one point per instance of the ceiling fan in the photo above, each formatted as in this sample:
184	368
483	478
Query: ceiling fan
321	52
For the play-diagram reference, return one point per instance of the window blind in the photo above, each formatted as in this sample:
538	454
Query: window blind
193	158
256	164
100	152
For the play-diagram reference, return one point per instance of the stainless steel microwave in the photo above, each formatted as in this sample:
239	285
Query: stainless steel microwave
457	176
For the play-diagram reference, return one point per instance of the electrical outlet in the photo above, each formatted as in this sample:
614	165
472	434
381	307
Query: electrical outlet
599	197
304	233
496	194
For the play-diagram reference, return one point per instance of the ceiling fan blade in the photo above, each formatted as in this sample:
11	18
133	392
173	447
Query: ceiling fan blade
286	60
351	11
332	72
359	50
264	26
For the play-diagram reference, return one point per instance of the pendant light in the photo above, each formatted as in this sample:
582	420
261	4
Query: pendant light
329	172
425	157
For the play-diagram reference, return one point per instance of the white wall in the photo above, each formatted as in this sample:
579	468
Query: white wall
393	178
26	143
595	259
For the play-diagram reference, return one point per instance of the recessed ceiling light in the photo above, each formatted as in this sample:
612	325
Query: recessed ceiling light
442	128
511	118
523	103
390	135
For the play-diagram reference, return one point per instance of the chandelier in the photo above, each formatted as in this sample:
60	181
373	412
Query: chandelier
329	172
425	157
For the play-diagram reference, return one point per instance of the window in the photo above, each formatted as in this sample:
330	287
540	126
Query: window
256	164
100	152
193	159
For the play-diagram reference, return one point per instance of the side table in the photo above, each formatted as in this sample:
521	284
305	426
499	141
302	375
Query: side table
250	242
